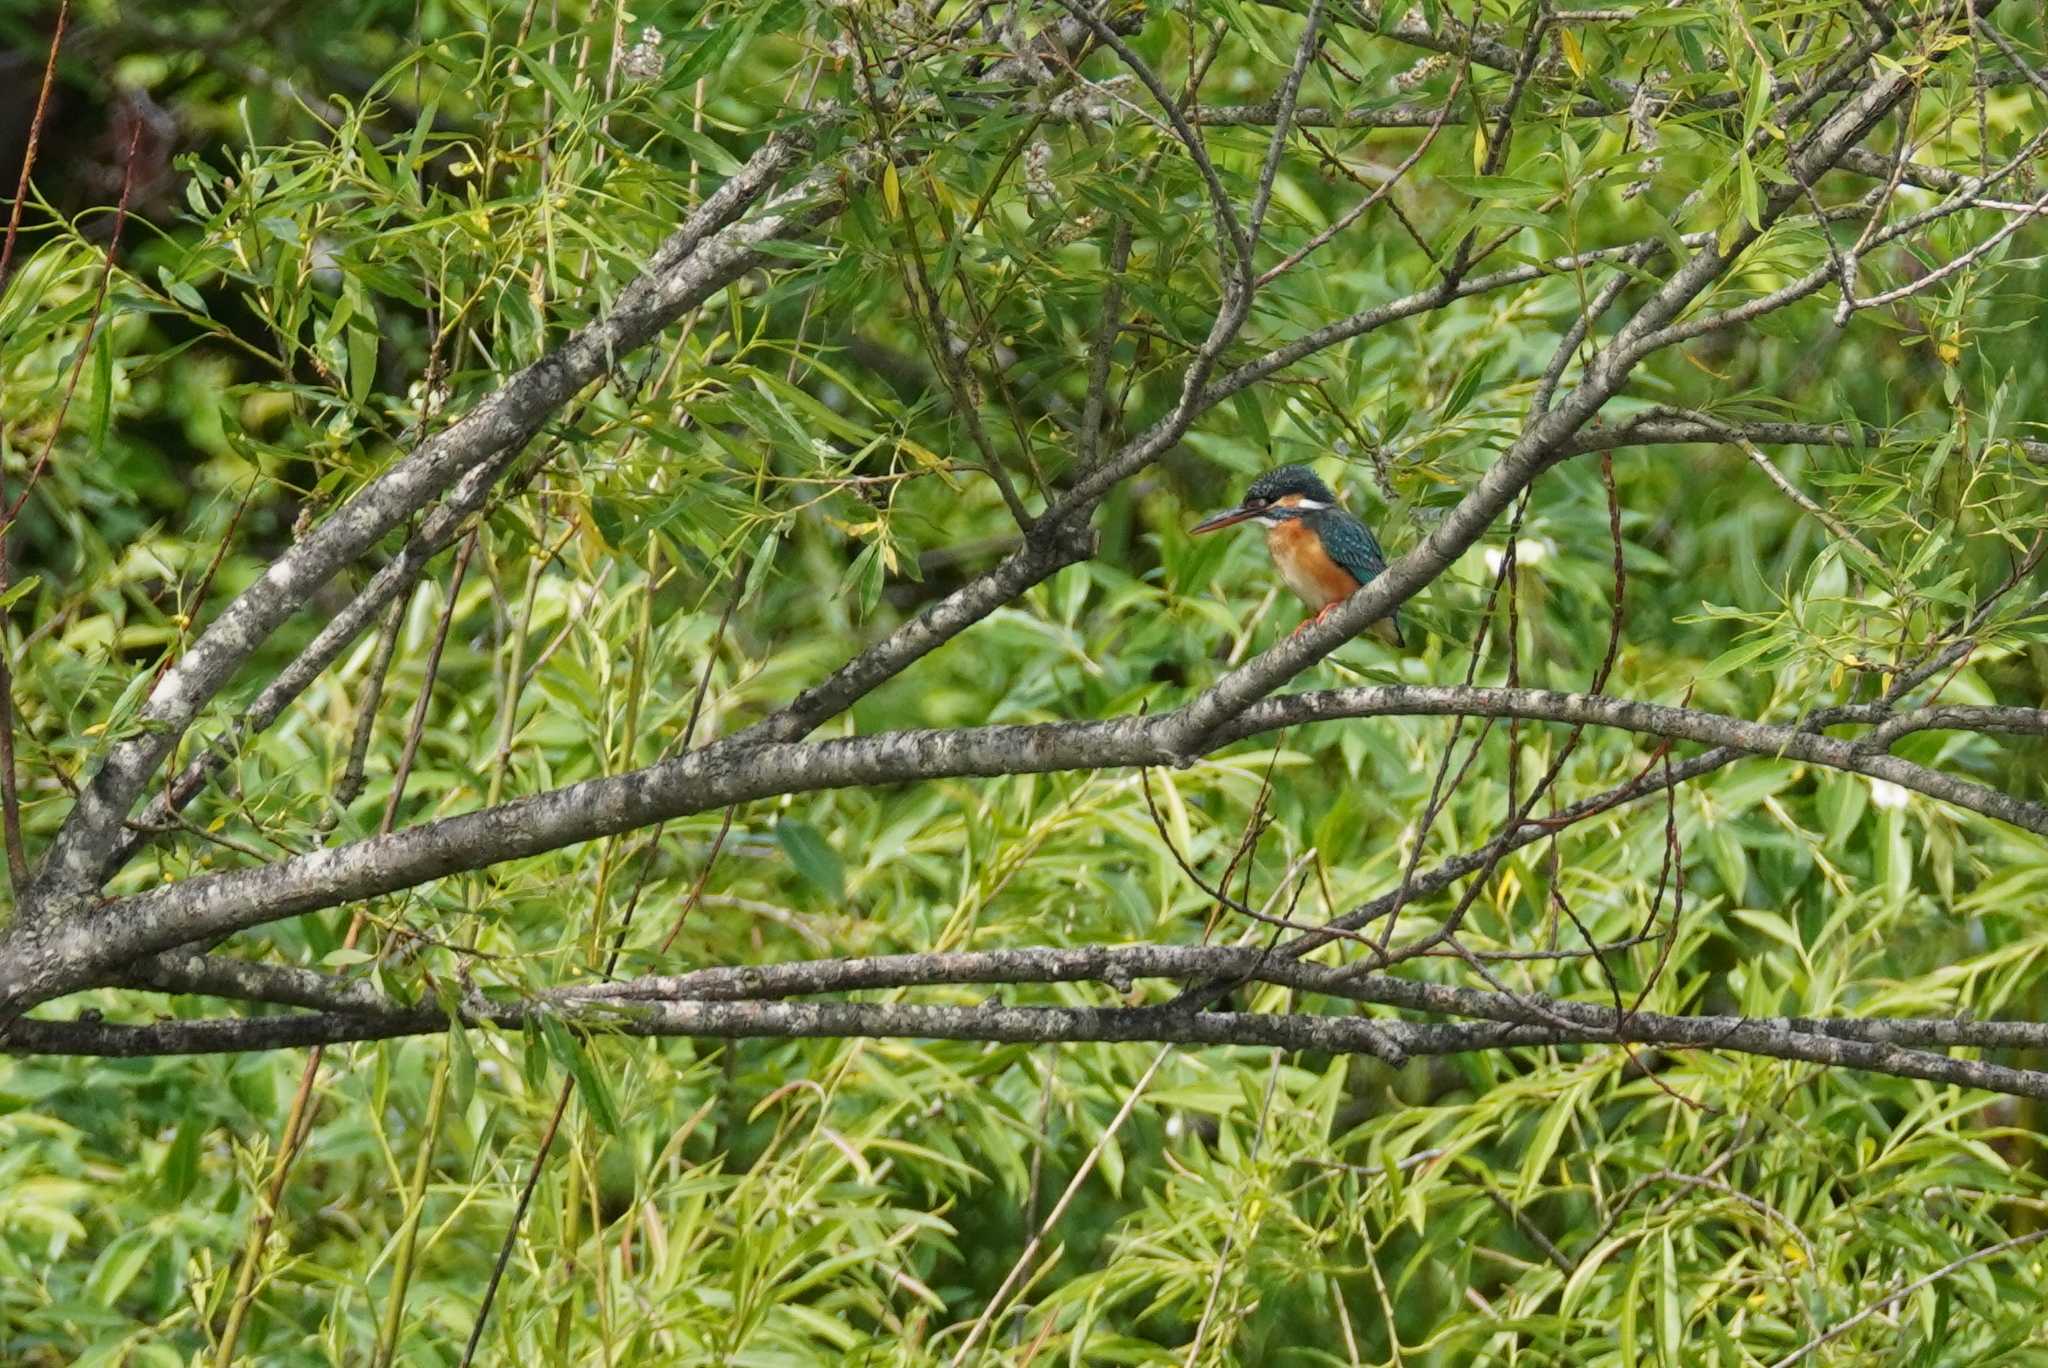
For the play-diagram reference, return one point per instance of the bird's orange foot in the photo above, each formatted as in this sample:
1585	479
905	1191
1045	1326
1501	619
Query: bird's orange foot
1320	614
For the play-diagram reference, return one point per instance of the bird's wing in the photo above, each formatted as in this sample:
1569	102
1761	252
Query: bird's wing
1352	545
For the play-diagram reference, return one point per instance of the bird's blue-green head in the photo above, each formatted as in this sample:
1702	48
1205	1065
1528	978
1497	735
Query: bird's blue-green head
1281	493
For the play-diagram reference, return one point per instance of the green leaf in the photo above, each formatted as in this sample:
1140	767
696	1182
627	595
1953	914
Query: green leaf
180	1171
1496	187
867	577
461	1068
1252	414
1731	861
101	420
1543	1146
1736	657
118	1265
16	592
362	363
180	290
555	79
1937	457
813	857
1752	199
1843	799
1895	856
709	51
533	1055
415	148
763	565
1670	1312
570	1054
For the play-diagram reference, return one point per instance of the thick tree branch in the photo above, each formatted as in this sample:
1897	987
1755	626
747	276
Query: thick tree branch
223	976
1119	965
438	531
712	249
1507	1022
39	963
1667	426
1684	724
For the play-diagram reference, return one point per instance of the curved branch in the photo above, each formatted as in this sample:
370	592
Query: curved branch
41	962
1543	440
1392	1041
1661	426
712	249
1683	724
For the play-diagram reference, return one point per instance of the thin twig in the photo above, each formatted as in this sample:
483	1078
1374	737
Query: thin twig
1380	192
1975	1256
299	1120
1059	1208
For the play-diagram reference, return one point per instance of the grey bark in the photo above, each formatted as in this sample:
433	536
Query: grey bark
37	962
711	250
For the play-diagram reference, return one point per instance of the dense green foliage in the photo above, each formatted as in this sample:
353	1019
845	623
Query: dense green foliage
382	210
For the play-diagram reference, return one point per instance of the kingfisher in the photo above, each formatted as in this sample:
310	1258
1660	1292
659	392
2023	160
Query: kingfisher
1323	553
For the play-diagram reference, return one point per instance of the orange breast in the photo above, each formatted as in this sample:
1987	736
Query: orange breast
1307	568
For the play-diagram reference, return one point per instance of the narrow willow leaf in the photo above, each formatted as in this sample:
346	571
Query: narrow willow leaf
812	857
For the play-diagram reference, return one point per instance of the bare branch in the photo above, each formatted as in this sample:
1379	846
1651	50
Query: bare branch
1542	442
1385	188
1505	1023
711	249
40	962
1117	966
1283	123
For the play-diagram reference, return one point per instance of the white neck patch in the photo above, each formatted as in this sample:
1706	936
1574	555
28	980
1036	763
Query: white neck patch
1295	506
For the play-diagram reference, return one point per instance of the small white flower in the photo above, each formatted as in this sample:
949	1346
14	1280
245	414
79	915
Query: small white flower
1527	553
1886	794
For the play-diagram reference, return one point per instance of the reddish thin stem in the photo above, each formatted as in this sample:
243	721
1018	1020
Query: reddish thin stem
10	790
35	138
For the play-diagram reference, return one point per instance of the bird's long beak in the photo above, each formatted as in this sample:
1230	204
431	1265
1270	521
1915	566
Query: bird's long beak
1227	518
